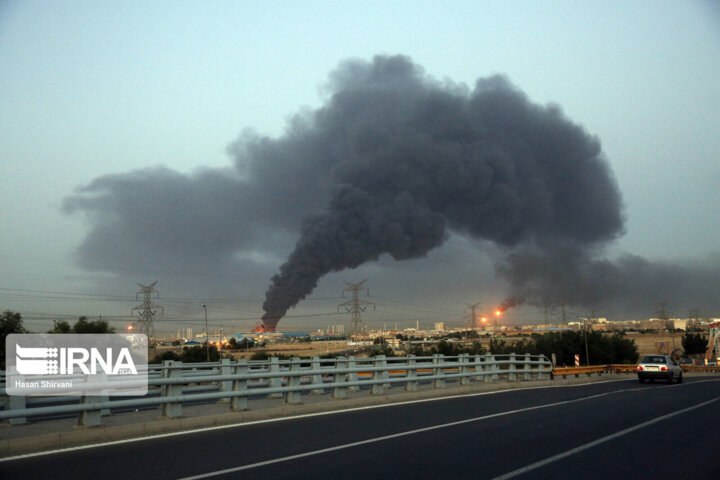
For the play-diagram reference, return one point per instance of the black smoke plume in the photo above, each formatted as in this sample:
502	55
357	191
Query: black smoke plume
411	158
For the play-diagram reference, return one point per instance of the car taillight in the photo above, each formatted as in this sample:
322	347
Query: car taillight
663	368
640	367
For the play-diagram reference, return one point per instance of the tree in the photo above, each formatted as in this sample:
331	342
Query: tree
623	350
97	326
60	326
197	354
10	322
520	347
244	344
417	350
604	349
694	343
169	355
83	325
446	348
383	349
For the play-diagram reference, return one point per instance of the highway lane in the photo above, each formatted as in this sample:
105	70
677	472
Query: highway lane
474	436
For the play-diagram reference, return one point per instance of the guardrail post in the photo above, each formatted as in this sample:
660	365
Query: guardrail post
338	378
226	385
486	366
353	377
438	382
240	402
477	367
171	410
411	385
492	367
275	382
89	418
386	373
293	380
547	370
102	380
377	388
13	402
528	374
316	379
512	377
463	359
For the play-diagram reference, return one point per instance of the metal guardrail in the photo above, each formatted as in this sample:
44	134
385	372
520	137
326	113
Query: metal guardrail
564	371
619	368
590	369
699	368
174	383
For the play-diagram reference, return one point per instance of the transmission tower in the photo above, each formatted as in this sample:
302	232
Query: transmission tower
475	319
356	306
147	309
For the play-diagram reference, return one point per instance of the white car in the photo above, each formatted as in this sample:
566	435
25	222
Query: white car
658	366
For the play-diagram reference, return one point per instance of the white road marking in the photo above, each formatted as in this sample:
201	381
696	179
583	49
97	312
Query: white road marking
599	441
316	414
394	435
294	417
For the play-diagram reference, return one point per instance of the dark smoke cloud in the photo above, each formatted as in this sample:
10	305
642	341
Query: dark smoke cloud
412	158
394	162
627	284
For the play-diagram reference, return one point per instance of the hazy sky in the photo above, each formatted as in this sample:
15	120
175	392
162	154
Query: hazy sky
148	92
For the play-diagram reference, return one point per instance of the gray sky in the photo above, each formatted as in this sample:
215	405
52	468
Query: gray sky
144	99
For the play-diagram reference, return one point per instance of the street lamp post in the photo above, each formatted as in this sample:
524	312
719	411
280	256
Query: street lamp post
587	354
207	335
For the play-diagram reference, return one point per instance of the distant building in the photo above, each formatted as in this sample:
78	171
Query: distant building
186	333
336	329
653	324
679	323
440	326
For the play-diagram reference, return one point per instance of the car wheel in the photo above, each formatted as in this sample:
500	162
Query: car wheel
642	380
652	380
670	378
680	378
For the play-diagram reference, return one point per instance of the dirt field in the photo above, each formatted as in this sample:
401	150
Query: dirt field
300	349
645	342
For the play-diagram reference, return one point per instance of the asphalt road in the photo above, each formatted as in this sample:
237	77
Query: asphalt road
611	430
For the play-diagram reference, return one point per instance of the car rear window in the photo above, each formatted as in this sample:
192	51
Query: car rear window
651	359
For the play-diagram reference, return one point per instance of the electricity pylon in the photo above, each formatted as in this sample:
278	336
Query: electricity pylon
147	309
356	306
475	319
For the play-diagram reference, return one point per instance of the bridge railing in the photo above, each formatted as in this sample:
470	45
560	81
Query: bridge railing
173	383
621	368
